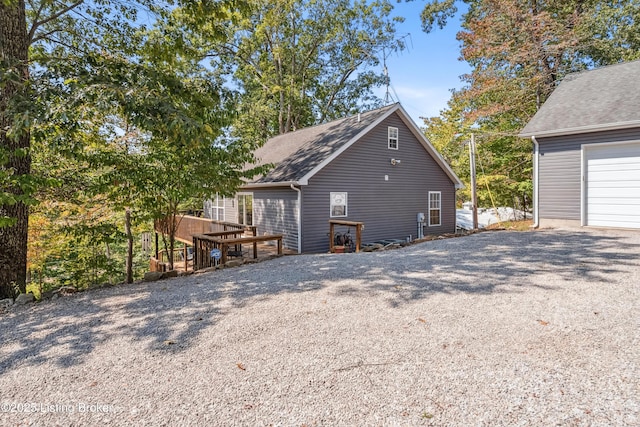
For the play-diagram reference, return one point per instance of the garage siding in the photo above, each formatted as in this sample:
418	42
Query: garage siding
560	177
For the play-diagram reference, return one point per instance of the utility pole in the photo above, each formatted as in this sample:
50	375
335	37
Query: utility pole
472	165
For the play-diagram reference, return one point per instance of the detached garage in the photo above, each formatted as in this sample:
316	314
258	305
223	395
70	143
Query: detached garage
587	150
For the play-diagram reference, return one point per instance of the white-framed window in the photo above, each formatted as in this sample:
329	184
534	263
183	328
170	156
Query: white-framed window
217	208
393	138
338	204
435	208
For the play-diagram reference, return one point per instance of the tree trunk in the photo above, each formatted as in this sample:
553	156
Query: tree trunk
14	48
127	229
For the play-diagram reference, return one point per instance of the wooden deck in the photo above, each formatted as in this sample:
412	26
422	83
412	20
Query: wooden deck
200	236
210	250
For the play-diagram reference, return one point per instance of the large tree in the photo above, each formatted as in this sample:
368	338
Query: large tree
518	50
61	43
32	35
15	161
134	126
295	62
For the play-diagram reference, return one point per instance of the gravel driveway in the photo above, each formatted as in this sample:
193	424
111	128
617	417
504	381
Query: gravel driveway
499	328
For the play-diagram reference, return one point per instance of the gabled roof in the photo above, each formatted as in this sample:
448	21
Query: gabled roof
606	98
299	155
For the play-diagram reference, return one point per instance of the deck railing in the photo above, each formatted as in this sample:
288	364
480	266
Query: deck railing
189	226
226	243
204	243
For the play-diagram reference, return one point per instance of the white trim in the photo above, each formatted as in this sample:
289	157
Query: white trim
214	206
536	183
299	217
439	193
305	179
331	204
583	129
244	205
414	130
583	186
250	186
396	138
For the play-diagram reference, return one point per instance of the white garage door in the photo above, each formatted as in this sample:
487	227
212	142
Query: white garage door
612	187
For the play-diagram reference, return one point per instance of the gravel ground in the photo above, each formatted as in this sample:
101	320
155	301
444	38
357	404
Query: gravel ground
498	328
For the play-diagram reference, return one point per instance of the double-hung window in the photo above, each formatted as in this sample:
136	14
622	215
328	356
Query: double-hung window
393	138
435	208
338	204
217	208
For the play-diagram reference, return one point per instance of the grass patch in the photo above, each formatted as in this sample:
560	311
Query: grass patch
34	289
524	225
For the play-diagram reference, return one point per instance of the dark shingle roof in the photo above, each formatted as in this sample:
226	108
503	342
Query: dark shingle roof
600	99
299	155
295	154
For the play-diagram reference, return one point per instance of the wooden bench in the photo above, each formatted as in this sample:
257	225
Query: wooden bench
224	244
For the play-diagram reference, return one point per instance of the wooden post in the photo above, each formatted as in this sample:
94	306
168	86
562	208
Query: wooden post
280	246
223	248
186	264
195	253
255	250
331	228
358	225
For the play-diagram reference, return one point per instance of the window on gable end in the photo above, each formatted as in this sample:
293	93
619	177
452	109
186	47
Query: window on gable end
393	138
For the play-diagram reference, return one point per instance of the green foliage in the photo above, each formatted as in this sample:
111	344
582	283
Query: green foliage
518	51
295	62
120	126
437	12
613	30
79	243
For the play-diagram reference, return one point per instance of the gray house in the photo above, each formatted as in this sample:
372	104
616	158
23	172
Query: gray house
587	150
375	167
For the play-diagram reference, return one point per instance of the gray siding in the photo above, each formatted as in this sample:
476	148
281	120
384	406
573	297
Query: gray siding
275	212
231	209
560	171
387	208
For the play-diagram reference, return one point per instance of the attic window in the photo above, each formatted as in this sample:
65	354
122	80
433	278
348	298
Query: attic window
393	138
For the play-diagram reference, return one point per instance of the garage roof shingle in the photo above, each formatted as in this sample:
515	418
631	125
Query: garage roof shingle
601	99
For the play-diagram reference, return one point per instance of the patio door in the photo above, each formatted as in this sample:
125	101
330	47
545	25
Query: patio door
245	209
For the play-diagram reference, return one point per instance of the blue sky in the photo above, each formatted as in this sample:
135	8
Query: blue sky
423	75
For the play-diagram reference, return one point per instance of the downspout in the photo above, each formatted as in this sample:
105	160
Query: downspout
536	153
299	217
